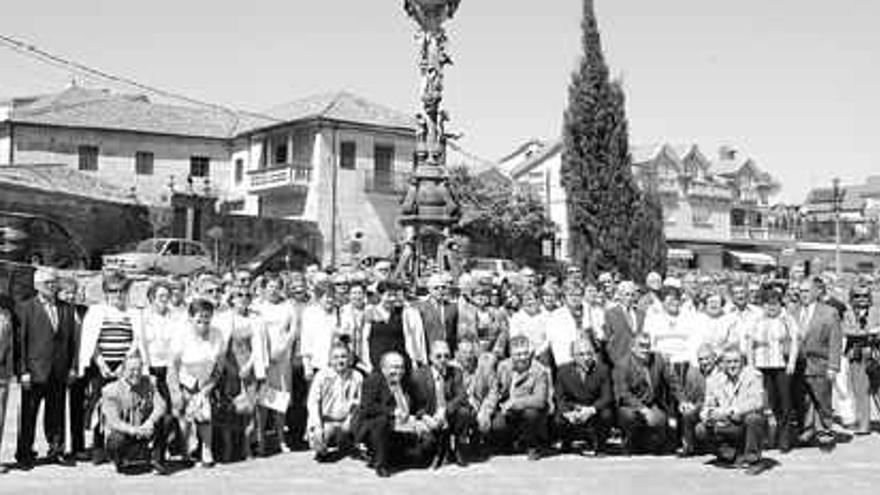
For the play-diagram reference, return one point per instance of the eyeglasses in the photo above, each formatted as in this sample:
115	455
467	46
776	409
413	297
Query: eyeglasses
441	355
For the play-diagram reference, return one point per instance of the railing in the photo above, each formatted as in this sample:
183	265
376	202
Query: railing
285	175
386	181
711	191
741	232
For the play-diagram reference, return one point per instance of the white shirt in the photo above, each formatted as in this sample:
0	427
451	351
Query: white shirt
675	337
534	327
561	332
318	329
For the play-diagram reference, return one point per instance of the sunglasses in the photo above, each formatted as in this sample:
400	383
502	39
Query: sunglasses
442	355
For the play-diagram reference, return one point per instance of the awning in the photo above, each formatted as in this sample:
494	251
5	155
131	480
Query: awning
679	254
760	259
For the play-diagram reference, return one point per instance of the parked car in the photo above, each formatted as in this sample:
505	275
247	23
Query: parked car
172	256
38	240
501	271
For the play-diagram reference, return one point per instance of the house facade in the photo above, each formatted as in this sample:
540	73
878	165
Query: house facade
336	159
716	213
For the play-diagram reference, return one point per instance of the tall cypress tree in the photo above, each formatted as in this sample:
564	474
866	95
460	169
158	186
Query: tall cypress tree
612	225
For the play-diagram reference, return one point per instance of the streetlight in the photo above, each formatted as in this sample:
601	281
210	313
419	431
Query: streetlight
837	200
429	210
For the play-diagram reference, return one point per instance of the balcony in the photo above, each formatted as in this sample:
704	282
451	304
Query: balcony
386	182
741	232
280	176
668	186
709	191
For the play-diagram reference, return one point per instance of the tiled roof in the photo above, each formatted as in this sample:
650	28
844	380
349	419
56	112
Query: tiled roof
644	153
99	109
63	179
339	106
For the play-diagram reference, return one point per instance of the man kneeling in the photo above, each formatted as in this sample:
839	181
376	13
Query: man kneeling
332	403
732	415
135	419
584	398
515	410
393	434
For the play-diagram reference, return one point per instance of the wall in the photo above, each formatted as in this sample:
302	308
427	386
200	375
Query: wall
116	161
679	224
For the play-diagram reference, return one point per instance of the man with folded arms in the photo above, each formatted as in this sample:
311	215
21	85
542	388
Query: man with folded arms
135	420
516	408
584	398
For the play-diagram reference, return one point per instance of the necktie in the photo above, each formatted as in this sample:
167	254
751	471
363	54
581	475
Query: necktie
440	390
53	315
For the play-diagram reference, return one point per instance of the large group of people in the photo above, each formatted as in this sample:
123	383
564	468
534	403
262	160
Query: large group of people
224	368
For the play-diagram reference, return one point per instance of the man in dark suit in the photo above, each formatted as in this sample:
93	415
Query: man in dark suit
394	435
822	348
441	399
644	385
622	322
47	350
439	316
584	398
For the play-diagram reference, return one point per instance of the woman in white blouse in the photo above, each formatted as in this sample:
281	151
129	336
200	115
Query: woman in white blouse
771	346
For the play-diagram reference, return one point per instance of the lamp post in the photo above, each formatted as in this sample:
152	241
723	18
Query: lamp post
837	199
429	210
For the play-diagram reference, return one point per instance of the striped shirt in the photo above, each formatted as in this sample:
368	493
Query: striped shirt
115	339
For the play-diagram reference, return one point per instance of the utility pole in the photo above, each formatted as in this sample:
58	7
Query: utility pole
837	200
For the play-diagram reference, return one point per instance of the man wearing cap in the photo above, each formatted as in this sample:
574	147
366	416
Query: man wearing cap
47	351
439	317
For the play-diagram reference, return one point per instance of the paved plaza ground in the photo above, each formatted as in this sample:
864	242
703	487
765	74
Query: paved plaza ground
854	468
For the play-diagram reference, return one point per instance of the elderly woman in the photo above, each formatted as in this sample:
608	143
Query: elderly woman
192	376
109	332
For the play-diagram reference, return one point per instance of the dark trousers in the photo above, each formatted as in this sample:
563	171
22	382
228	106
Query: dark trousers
462	422
595	430
78	404
777	384
297	414
126	449
393	448
643	431
820	415
688	427
798	395
53	394
741	438
526	428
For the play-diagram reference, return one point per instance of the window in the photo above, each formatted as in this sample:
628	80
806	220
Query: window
239	171
280	154
143	163
347	155
700	214
383	158
199	166
88	158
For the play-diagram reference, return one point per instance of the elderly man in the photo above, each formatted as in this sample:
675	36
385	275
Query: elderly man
441	399
439	316
732	415
47	350
644	384
584	398
862	329
740	320
333	401
822	349
394	435
694	391
134	416
516	409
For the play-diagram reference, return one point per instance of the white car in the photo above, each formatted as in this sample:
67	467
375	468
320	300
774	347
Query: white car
172	256
501	271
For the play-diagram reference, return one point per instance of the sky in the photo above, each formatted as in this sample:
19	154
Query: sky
791	83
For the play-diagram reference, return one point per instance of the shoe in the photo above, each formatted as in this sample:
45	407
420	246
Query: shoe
437	463
533	454
99	456
25	465
383	472
207	464
82	456
4	469
322	457
62	460
159	468
458	458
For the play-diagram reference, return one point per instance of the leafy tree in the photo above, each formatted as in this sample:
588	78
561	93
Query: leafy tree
499	219
613	226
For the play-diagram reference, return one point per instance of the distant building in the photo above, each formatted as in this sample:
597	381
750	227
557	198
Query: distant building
859	207
716	209
335	159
